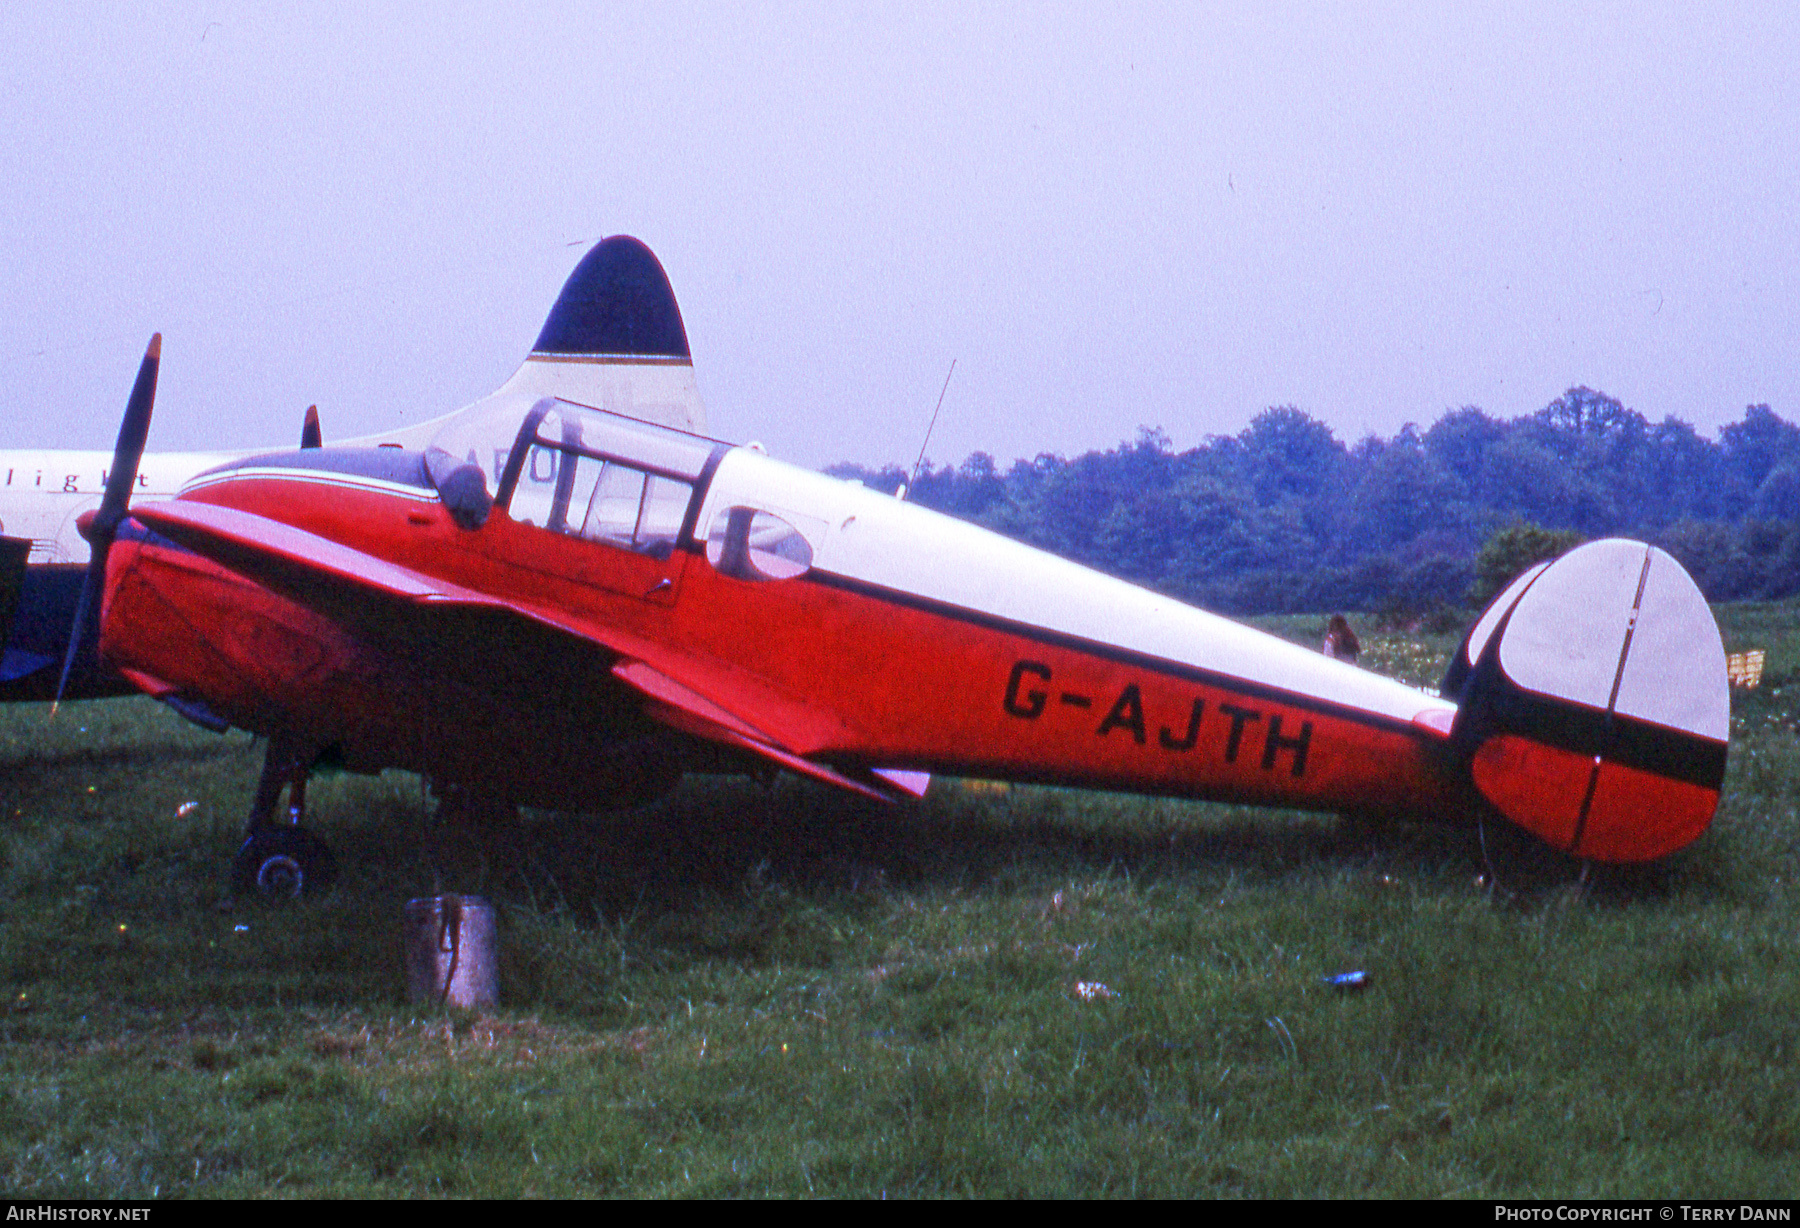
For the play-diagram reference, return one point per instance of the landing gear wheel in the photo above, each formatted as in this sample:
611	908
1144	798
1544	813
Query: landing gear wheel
283	863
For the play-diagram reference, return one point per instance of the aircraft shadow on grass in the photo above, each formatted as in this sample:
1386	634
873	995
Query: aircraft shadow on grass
721	844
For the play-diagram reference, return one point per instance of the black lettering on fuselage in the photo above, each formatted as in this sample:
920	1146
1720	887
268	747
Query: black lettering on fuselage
1239	718
1276	743
1127	713
1029	702
1193	730
1033	706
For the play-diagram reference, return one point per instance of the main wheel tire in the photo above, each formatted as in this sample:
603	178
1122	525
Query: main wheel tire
284	863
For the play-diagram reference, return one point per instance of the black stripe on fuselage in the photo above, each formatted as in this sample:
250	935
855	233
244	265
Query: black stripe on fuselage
1112	652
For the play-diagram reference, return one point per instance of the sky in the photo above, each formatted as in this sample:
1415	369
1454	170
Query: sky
1108	216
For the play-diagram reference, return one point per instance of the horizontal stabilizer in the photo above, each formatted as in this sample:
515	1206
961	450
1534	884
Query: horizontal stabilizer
913	783
1594	705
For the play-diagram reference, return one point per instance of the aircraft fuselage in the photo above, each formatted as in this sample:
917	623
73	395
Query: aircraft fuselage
911	641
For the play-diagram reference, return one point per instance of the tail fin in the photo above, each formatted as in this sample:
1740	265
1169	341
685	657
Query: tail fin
615	340
1593	704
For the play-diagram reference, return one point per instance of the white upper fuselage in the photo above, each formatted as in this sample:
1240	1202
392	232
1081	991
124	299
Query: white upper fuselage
878	540
42	493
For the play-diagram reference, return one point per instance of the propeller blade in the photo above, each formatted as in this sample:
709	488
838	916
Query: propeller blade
127	453
309	433
129	450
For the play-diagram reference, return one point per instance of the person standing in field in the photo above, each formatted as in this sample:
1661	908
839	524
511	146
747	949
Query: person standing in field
1340	642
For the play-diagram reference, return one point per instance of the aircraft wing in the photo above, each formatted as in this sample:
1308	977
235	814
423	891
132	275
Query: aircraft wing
285	557
424	618
459	629
681	707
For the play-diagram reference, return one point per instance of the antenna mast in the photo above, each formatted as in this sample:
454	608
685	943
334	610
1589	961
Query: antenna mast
934	417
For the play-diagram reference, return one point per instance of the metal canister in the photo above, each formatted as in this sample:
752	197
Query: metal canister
451	957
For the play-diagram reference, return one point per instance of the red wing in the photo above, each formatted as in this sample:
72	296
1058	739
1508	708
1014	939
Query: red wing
460	633
294	561
458	629
681	707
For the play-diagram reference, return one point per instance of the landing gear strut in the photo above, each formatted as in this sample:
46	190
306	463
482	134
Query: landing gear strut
280	859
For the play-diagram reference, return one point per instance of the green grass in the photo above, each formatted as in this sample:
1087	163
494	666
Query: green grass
1771	626
778	991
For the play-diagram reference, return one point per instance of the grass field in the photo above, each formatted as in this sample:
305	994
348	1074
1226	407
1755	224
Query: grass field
753	991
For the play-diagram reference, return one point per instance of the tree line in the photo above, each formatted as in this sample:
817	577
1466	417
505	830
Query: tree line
1284	517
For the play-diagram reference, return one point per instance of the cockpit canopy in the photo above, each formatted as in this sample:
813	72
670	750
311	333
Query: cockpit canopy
585	472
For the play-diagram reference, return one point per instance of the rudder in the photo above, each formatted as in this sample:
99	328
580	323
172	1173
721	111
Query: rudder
1593	704
614	340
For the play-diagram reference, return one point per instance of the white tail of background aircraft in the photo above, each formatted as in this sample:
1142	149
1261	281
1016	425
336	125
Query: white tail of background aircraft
614	340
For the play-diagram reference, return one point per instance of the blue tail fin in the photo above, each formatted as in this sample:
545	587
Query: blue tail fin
617	302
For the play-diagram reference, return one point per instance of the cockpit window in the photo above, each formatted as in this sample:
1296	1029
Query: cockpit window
609	479
595	433
747	544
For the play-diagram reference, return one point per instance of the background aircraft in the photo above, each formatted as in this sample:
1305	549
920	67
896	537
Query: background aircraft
556	603
618	298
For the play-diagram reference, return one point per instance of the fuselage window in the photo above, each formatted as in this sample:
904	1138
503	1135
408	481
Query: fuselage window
615	504
747	544
576	477
605	501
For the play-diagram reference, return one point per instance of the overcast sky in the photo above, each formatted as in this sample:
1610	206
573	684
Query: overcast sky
1108	215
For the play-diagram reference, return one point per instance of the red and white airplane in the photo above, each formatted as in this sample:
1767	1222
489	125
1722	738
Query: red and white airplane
567	595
